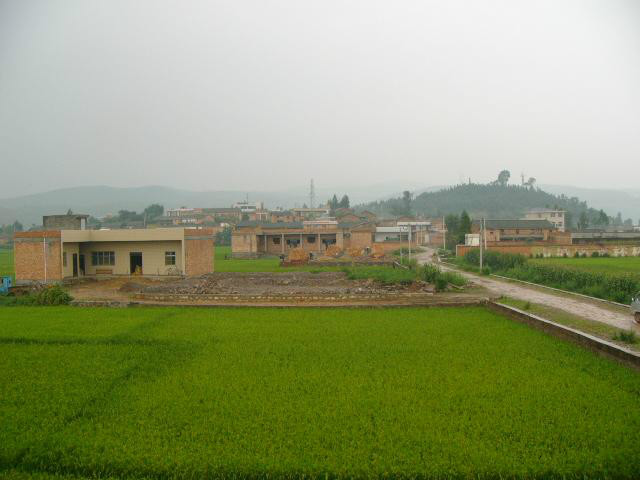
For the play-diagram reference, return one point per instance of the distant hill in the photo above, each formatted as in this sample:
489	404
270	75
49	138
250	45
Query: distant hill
490	201
101	200
611	201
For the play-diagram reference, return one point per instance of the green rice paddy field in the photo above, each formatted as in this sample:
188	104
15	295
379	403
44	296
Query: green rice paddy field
611	265
197	393
6	262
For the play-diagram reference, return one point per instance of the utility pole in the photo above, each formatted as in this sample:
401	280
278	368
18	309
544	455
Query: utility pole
480	239
409	242
444	234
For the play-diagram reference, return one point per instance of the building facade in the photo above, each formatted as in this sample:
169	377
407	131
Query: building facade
555	217
54	255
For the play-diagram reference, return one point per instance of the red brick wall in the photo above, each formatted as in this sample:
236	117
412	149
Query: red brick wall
198	255
558	250
29	256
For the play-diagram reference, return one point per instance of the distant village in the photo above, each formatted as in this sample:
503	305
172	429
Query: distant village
180	241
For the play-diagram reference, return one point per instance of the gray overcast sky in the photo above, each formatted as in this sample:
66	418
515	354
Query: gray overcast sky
262	95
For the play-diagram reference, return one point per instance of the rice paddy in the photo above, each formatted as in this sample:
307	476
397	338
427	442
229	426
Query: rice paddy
202	393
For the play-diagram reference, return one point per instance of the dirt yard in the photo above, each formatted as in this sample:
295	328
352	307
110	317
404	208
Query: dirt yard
239	288
290	283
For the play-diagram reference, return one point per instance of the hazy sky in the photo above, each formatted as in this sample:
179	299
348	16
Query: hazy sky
257	95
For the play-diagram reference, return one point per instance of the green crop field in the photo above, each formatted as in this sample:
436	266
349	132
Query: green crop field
6	262
201	393
224	262
612	265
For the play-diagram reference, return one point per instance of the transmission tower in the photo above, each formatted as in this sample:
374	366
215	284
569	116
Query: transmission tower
312	195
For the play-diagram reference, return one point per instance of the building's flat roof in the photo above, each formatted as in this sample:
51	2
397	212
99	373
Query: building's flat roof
545	210
523	224
131	235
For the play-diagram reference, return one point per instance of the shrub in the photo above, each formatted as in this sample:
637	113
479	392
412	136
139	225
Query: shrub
595	254
54	295
485	271
495	260
441	284
626	336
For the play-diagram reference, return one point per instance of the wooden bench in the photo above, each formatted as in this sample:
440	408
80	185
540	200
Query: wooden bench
104	271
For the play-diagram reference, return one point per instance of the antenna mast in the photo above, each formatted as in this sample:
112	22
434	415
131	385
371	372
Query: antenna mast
312	195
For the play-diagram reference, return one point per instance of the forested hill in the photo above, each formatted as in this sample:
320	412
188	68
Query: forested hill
490	200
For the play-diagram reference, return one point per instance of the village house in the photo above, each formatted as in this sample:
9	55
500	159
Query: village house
500	231
553	216
48	256
251	239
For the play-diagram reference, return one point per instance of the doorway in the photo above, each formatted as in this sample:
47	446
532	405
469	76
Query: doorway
74	264
135	263
81	264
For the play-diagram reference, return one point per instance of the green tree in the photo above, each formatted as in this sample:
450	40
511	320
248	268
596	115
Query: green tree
464	226
17	226
503	177
153	211
333	205
452	223
344	202
602	219
406	202
223	237
583	221
618	219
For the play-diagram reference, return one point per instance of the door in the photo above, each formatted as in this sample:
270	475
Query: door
135	263
81	264
74	263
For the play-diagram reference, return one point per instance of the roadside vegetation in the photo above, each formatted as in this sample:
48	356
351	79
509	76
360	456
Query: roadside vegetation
597	264
203	393
618	286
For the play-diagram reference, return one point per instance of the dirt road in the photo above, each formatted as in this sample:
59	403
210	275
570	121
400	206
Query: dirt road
575	305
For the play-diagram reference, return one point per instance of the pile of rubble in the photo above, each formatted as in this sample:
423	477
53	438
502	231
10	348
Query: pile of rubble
291	283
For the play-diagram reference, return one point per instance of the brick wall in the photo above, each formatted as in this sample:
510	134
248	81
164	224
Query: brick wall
361	239
559	250
61	222
198	255
34	250
243	243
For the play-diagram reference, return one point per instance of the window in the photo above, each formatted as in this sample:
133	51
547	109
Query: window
169	258
311	239
276	240
64	259
103	258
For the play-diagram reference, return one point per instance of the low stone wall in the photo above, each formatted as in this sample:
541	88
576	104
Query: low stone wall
597	345
212	297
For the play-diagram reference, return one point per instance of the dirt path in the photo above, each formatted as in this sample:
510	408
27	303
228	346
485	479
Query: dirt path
574	305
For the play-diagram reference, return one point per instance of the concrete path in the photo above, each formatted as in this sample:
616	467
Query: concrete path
575	305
